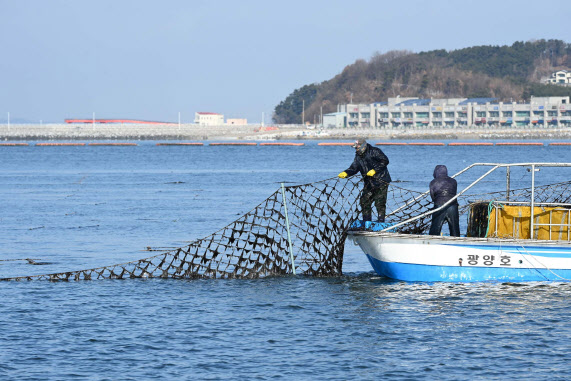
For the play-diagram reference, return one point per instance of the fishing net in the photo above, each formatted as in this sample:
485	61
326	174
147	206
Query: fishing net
314	217
256	244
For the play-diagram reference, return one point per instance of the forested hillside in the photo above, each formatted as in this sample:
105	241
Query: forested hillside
505	72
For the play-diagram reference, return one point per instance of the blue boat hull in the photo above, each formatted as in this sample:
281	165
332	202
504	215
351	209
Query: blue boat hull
461	259
428	273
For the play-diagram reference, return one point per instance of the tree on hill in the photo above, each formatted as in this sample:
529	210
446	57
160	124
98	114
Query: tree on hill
290	110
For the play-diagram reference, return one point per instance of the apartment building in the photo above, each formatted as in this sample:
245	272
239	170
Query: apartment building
452	113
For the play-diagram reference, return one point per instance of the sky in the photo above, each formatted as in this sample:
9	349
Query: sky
156	60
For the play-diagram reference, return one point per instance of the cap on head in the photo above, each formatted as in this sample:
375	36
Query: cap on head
360	142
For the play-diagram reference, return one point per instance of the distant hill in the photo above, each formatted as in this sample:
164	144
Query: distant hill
505	72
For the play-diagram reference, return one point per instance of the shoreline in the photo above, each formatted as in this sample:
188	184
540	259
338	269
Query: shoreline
53	132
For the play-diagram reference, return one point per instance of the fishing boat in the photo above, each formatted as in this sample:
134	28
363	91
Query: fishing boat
512	235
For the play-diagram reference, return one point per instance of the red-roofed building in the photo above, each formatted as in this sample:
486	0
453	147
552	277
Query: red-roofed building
208	119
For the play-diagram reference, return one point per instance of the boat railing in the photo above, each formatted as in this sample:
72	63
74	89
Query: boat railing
533	167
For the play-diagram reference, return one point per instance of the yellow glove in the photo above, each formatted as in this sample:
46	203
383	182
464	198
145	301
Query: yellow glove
371	173
342	175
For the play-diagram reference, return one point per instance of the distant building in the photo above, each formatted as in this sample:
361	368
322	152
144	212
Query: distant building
335	119
453	112
560	77
208	119
237	122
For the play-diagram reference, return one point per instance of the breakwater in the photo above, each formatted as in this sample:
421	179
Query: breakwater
290	144
26	132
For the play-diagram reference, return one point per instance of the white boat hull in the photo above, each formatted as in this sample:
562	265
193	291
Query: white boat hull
457	259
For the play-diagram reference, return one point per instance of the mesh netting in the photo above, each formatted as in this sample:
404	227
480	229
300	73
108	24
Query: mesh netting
256	244
318	215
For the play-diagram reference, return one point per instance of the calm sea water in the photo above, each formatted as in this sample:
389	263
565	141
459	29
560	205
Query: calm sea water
81	207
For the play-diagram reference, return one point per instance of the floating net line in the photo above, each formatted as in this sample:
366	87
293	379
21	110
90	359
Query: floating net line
318	214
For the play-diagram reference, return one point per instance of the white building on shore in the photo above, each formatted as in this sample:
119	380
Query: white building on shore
208	119
452	112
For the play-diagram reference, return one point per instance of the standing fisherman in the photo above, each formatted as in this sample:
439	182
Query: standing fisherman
442	189
372	163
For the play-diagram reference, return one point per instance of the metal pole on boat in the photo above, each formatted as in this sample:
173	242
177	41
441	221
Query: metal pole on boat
427	192
532	201
496	166
288	233
507	183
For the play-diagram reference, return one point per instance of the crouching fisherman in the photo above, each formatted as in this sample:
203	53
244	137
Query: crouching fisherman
442	189
372	163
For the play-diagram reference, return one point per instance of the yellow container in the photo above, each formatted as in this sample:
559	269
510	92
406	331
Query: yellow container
514	222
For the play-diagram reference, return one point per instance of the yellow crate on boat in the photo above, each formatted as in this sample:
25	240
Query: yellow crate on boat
550	223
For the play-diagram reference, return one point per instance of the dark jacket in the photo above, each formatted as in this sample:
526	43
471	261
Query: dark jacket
372	158
443	187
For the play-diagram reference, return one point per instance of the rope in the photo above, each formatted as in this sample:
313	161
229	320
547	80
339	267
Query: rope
490	209
547	268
